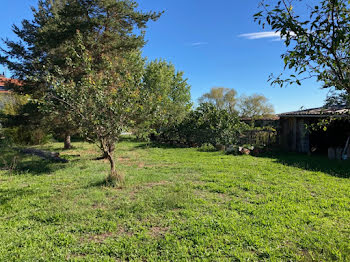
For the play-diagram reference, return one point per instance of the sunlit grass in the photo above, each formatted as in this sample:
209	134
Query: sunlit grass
177	204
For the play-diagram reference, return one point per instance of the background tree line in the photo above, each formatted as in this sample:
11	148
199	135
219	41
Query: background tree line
221	120
254	106
82	72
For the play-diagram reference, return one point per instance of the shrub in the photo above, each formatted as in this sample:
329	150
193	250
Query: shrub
232	150
261	137
205	125
207	147
26	135
22	122
3	140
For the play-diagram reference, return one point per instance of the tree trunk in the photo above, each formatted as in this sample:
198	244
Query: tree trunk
67	142
114	178
106	149
104	156
112	163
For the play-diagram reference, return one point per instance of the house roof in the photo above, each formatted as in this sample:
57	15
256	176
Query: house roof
4	81
334	111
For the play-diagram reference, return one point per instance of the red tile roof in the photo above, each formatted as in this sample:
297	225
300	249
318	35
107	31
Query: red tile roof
4	81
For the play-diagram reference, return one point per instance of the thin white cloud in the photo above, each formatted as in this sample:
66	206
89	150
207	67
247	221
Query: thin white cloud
199	43
278	39
260	35
276	36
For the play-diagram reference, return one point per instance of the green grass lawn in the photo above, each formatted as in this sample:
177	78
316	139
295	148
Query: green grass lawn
177	205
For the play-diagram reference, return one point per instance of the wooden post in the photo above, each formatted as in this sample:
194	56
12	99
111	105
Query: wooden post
331	153
294	134
338	153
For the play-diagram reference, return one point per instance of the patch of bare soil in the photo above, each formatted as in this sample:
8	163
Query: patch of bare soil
306	255
100	238
133	159
158	231
137	188
129	162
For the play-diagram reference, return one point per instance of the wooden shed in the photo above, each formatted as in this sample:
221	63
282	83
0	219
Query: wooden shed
295	134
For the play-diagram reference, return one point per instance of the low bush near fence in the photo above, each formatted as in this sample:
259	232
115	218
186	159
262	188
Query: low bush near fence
266	136
211	129
205	125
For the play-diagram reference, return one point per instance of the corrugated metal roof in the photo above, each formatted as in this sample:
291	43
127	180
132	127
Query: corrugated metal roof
320	112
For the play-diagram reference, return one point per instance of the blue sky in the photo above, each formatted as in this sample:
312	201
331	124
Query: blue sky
203	39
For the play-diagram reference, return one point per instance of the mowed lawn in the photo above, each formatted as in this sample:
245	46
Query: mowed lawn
177	205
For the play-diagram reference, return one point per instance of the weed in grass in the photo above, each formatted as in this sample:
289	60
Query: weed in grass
117	179
207	147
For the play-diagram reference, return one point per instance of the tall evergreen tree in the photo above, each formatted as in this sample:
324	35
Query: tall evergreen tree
107	32
107	26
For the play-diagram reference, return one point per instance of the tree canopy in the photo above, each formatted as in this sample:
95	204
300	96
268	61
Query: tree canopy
107	26
104	105
317	36
167	92
255	106
221	97
82	57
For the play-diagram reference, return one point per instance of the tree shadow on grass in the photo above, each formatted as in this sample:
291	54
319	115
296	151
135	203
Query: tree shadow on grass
7	195
316	163
19	164
16	163
38	167
98	183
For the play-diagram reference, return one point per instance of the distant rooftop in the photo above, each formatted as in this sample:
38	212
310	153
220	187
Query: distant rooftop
320	112
4	81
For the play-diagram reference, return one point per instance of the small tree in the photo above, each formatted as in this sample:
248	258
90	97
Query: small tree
167	94
60	122
221	97
103	104
255	106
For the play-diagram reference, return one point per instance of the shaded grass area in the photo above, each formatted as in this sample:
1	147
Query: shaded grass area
17	163
314	163
177	205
